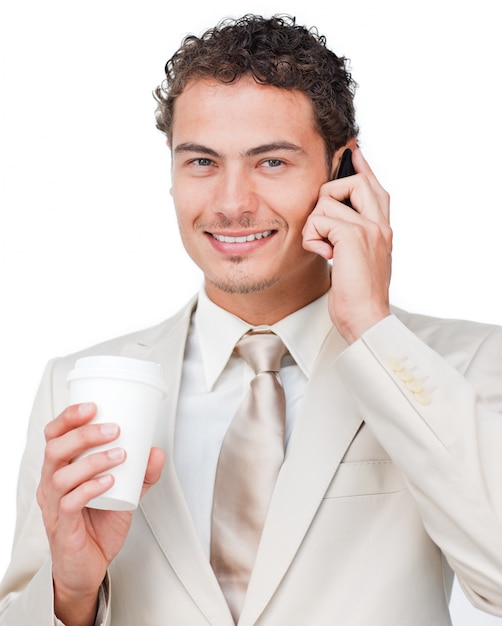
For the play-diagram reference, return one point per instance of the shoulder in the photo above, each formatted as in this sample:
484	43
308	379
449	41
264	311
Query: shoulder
458	340
138	344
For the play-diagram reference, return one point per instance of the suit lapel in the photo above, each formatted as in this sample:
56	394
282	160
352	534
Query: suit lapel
325	426
164	506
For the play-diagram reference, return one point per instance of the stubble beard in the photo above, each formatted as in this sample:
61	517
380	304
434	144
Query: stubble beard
242	282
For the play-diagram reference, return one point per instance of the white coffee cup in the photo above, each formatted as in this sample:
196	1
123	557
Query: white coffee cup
127	392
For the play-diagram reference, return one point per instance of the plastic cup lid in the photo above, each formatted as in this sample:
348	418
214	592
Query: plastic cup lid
119	367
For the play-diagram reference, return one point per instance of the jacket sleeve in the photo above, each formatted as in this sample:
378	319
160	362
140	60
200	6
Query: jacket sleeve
26	592
435	405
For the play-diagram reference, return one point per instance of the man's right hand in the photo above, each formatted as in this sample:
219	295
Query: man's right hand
83	541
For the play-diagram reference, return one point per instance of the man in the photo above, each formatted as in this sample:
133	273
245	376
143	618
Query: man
391	474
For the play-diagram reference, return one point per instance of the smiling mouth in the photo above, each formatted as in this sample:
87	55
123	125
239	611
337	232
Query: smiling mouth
244	238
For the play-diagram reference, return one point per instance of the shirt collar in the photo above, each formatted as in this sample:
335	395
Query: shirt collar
217	331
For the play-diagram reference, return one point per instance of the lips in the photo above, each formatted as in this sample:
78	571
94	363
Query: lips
242	238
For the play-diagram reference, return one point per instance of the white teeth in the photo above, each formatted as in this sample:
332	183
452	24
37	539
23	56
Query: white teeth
251	237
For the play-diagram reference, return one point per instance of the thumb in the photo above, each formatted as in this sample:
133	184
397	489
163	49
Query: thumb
154	467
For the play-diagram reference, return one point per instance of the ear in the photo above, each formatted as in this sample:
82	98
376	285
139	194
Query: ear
335	161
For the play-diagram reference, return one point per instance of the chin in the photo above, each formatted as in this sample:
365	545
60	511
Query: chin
243	285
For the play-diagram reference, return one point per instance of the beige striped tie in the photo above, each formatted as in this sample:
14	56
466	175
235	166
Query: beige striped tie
251	456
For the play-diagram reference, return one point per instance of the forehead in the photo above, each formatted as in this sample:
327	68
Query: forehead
221	111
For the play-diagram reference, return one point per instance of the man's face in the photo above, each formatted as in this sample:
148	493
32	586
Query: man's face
247	167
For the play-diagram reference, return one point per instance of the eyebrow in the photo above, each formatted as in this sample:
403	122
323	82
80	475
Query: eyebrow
195	147
269	147
273	147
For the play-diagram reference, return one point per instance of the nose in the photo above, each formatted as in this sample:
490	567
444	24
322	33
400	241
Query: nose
236	195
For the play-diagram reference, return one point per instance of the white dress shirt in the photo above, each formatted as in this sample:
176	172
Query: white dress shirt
214	382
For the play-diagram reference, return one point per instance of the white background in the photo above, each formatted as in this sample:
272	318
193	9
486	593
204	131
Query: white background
88	242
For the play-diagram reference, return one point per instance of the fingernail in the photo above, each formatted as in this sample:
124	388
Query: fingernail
116	454
105	480
109	430
85	408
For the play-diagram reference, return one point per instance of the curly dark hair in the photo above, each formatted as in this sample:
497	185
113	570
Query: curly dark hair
274	51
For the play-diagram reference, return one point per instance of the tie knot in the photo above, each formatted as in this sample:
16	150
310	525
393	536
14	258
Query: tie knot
262	351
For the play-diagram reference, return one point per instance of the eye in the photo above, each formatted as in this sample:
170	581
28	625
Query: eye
273	163
203	162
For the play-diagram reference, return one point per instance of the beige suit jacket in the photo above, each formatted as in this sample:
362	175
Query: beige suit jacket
392	479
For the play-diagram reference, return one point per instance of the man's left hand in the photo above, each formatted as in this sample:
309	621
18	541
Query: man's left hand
359	242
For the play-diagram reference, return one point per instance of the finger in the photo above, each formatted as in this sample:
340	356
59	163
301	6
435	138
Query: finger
362	166
65	513
71	504
81	479
330	206
369	218
322	232
59	475
73	475
72	417
156	462
362	198
65	448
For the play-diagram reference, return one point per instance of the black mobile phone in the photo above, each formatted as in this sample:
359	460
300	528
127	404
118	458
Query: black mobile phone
346	169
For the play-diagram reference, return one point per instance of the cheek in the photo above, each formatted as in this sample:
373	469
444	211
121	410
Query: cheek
298	220
187	238
188	197
184	220
185	206
184	225
303	200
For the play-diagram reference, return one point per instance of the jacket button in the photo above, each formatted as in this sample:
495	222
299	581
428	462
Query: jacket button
414	385
394	364
422	397
405	375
